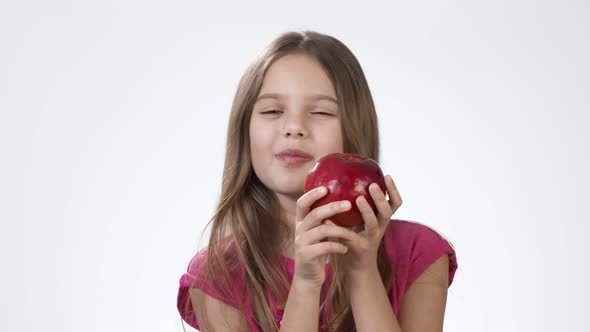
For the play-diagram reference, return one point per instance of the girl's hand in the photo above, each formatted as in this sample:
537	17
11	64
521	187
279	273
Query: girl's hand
363	248
311	250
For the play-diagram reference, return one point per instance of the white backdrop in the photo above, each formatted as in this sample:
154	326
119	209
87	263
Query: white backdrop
113	123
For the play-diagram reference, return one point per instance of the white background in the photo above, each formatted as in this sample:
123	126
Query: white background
112	134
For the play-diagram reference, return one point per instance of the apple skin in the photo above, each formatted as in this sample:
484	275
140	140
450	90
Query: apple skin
347	176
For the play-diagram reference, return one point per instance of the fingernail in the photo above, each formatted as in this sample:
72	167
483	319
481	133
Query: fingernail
322	190
345	204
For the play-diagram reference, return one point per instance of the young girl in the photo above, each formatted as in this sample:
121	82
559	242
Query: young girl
272	263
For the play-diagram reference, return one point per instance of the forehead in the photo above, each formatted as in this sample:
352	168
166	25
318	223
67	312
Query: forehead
297	76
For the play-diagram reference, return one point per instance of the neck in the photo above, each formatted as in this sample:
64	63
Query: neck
288	206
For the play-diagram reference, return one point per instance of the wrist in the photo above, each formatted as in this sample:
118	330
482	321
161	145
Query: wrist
362	276
306	288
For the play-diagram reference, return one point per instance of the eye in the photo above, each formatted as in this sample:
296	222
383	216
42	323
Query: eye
271	112
323	113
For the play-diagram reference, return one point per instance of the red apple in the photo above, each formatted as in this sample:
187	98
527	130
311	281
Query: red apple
347	176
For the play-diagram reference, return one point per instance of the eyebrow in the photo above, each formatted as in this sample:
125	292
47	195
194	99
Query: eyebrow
312	97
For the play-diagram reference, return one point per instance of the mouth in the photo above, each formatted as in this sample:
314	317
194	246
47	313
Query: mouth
292	159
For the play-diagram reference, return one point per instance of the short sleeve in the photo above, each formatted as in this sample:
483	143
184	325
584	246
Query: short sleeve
192	278
428	246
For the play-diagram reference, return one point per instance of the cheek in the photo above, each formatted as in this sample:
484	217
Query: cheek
260	141
332	139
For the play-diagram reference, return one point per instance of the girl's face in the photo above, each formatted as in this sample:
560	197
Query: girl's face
296	109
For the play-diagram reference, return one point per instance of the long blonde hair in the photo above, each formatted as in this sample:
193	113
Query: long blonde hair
245	235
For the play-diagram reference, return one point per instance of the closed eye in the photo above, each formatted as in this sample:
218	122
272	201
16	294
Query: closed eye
323	113
275	112
271	112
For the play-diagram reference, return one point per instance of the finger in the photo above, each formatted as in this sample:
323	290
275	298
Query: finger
330	222
306	200
354	236
395	200
371	223
330	238
329	232
354	229
320	249
383	207
315	217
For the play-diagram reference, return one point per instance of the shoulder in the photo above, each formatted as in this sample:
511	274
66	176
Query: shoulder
414	247
425	265
209	313
407	230
194	285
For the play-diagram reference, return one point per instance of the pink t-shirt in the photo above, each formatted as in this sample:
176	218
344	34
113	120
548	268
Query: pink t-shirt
412	247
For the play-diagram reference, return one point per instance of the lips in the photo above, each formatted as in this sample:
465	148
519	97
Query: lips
293	156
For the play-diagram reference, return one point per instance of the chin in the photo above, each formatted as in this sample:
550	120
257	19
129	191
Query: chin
290	191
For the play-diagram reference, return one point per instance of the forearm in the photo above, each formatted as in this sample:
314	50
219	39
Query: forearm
371	308
302	310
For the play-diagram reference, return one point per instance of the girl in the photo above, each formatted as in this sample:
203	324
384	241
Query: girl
272	263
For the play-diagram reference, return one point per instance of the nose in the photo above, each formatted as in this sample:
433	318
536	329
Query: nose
295	126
